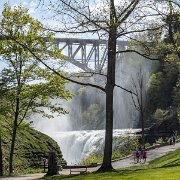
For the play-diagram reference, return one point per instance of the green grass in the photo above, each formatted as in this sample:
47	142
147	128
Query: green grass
169	160
135	174
164	168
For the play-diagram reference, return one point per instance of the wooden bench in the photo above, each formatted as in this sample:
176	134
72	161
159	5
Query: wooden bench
79	168
76	168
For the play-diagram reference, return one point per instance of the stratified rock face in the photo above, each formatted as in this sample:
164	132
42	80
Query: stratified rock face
32	147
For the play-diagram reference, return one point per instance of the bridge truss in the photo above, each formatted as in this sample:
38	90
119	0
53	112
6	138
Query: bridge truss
87	54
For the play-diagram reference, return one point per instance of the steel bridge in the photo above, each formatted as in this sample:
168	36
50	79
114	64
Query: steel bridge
87	54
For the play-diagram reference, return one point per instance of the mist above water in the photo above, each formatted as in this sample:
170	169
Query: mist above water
125	114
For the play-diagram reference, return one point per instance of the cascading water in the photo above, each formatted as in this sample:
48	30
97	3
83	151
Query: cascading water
79	136
77	145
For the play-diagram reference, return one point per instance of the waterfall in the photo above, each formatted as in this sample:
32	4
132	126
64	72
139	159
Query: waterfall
78	137
77	145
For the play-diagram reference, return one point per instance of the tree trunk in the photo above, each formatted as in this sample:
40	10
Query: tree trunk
1	161
15	126
12	150
52	164
106	165
142	127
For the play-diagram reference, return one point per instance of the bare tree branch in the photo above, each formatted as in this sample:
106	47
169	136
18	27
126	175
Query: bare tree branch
84	15
140	30
144	55
72	31
128	11
126	90
87	74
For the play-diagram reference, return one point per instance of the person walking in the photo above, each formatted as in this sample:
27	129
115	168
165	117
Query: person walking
174	140
140	153
134	155
137	155
144	155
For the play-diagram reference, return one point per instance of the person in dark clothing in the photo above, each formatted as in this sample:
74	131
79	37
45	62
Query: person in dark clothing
174	140
137	155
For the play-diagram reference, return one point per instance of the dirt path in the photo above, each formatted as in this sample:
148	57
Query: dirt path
127	162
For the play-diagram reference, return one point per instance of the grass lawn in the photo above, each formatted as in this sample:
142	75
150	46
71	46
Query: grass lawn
165	168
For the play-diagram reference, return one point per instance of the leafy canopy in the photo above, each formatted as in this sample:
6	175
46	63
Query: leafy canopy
24	80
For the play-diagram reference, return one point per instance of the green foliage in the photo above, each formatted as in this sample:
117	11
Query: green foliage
164	45
160	113
123	146
159	140
176	92
91	112
24	81
164	91
92	159
20	29
162	86
34	95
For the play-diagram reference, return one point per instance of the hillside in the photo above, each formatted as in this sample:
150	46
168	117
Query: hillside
31	147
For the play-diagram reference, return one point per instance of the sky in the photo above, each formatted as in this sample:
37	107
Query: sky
37	13
30	4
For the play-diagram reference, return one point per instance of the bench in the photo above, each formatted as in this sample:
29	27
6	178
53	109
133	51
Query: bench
79	168
76	168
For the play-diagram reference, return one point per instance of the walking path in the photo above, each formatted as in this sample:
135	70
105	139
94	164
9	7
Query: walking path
126	162
151	154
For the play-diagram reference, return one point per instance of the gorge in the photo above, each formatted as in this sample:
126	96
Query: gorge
81	132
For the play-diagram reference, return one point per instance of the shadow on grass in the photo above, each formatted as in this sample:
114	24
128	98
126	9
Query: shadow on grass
120	172
64	176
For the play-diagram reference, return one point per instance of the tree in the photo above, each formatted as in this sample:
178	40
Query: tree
111	21
139	98
27	87
1	155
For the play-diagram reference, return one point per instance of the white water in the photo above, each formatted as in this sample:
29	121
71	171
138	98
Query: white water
77	145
